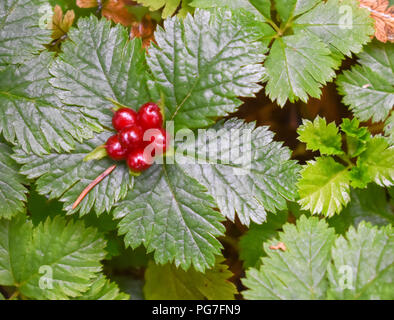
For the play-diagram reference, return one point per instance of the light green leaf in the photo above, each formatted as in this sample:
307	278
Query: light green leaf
170	283
103	289
319	136
243	169
389	128
251	244
370	204
356	136
107	65
65	175
31	116
171	214
363	264
12	191
368	88
340	23
20	33
298	65
378	161
201	66
324	186
169	6
300	271
63	256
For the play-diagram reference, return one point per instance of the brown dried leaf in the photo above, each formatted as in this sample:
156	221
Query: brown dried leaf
116	10
383	16
144	30
61	25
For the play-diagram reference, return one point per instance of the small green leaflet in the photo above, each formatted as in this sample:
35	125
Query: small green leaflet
30	114
297	273
324	187
201	66
65	175
368	88
389	129
20	32
171	214
12	191
356	137
378	161
103	289
292	8
298	65
232	4
249	186
68	267
107	66
319	136
317	264
169	6
170	283
363	264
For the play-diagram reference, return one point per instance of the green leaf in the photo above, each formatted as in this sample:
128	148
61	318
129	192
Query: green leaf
324	186
201	66
169	6
20	33
298	65
170	283
363	264
107	66
319	136
66	175
368	88
31	116
12	191
292	8
172	214
232	4
299	272
370	204
61	256
260	178
378	161
103	289
356	137
340	23
251	247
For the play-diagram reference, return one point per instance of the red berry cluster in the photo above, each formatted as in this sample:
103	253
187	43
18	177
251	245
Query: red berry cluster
131	126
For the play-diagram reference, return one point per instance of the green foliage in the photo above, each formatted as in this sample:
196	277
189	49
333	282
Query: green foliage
170	283
12	190
169	6
368	87
103	289
298	272
21	35
70	265
200	85
325	183
317	264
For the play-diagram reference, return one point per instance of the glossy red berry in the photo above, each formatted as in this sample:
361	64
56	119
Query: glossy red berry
137	161
159	141
150	116
123	118
131	137
115	149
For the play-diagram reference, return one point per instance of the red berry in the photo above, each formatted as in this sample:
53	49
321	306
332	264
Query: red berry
137	160
150	116
115	149
159	141
123	118
131	137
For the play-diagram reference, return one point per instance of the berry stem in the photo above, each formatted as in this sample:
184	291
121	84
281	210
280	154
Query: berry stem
92	185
